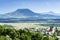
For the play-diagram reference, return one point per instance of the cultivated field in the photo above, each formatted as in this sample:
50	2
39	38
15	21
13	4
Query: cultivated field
26	25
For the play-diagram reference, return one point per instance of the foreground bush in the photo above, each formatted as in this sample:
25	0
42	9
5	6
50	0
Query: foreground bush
12	34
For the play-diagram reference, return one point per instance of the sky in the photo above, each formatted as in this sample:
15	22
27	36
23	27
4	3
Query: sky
38	6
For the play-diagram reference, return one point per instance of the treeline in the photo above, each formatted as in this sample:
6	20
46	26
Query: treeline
12	34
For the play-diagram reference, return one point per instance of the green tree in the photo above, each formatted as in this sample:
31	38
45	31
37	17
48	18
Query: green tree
51	38
5	38
45	38
1	30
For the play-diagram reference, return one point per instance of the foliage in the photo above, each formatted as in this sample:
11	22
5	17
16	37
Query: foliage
12	34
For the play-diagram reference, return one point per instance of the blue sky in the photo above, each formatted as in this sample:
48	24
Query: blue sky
34	5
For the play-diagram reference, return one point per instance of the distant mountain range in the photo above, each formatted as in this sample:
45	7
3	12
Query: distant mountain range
26	14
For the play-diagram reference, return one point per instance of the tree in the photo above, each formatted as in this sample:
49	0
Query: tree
25	37
51	38
1	30
5	38
45	38
16	38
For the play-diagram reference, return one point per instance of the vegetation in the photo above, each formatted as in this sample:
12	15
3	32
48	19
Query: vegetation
12	34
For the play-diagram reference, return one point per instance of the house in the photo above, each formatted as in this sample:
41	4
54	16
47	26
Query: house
50	31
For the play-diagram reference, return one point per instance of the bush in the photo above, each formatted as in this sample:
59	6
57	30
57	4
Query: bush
12	34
